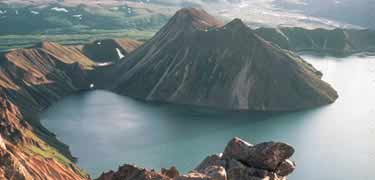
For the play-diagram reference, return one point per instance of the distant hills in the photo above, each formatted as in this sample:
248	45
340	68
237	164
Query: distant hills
68	16
357	12
336	42
55	19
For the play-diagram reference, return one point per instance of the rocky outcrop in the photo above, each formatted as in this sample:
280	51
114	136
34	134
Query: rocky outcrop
171	172
265	155
240	161
337	42
197	60
129	172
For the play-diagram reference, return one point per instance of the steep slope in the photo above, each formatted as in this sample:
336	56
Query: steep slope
338	42
197	60
31	80
48	66
23	155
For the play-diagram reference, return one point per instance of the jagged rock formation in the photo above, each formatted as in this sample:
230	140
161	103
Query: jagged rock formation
110	50
240	161
196	59
337	42
30	81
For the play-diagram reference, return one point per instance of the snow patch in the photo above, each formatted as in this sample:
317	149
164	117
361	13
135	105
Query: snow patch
104	64
119	53
79	16
34	12
60	9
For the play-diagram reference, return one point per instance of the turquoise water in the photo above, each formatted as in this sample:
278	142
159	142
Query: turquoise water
105	130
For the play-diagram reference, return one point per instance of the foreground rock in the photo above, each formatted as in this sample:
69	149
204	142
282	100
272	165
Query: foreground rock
197	60
265	155
240	161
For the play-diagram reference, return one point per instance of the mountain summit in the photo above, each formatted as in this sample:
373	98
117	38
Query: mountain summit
195	59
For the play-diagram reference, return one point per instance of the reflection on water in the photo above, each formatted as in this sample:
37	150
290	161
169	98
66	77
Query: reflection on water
334	142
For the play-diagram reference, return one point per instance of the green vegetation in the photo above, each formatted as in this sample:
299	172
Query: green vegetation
57	19
47	151
23	26
8	42
50	153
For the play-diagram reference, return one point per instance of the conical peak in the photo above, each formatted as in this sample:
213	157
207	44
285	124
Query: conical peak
196	17
237	24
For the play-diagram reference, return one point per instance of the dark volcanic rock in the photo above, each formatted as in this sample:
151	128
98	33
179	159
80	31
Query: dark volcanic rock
251	174
285	168
237	149
225	167
266	155
213	160
171	172
130	172
197	60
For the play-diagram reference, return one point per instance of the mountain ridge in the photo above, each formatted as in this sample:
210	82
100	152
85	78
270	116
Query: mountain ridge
222	51
336	42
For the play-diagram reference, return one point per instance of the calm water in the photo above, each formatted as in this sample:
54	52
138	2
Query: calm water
334	142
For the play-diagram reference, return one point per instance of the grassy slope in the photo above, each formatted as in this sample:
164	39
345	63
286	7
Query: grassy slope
21	27
8	42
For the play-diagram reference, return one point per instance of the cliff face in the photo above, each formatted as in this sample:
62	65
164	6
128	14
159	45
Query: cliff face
239	161
195	59
31	80
337	42
24	155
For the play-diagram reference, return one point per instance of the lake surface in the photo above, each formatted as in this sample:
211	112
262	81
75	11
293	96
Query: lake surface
105	130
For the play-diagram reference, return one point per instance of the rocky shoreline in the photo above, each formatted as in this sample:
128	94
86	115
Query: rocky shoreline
239	161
